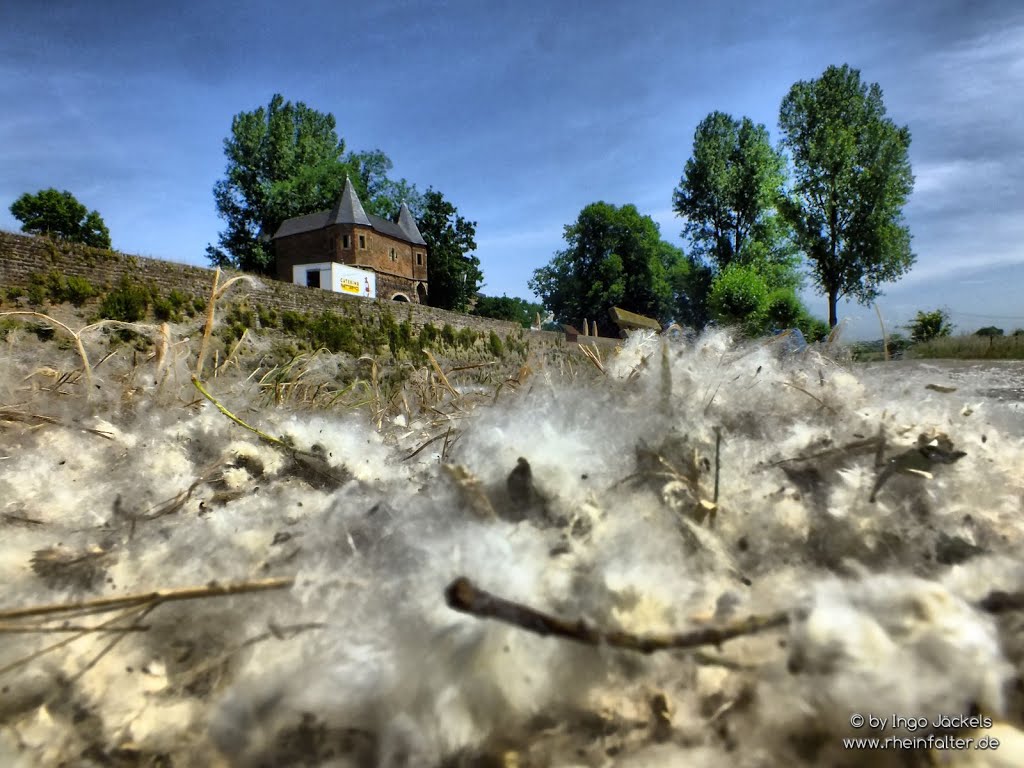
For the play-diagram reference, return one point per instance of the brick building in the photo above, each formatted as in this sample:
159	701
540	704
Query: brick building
346	234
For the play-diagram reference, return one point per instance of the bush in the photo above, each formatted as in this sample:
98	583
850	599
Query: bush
36	294
466	338
128	302
334	332
163	309
812	328
930	325
448	335
78	290
428	335
738	295
782	309
293	323
989	330
495	344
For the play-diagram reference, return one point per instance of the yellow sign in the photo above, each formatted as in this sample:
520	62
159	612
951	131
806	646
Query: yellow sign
350	286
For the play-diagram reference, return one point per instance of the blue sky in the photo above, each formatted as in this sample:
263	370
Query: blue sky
521	113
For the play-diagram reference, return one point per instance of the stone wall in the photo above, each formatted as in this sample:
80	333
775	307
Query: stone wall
22	256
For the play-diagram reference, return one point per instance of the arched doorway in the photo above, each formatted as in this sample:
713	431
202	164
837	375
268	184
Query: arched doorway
400	297
421	293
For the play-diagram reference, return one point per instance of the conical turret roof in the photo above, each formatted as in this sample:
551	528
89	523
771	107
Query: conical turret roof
348	209
408	226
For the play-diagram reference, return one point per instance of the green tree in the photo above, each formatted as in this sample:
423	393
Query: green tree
513	309
930	325
59	214
381	195
728	195
851	180
286	160
453	272
989	330
615	257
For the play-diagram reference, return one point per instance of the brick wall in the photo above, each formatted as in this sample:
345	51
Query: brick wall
21	256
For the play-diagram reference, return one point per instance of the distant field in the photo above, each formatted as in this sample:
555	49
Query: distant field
969	347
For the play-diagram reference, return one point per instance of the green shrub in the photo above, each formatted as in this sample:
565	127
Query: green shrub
128	302
448	335
15	293
930	325
989	330
335	332
428	335
267	316
466	338
738	295
294	323
37	294
782	309
78	290
163	309
495	344
812	328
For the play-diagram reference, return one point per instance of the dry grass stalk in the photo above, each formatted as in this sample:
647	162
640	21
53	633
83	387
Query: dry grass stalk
594	356
885	335
103	604
232	353
815	398
216	293
440	375
220	407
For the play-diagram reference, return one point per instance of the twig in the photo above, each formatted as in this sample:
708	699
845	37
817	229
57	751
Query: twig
870	442
464	596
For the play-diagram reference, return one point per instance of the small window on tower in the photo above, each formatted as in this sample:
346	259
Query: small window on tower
362	242
394	256
345	243
419	259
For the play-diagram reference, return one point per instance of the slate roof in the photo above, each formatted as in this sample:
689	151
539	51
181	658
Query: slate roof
348	210
408	225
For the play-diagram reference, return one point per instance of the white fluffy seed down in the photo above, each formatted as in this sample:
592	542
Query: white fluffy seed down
361	663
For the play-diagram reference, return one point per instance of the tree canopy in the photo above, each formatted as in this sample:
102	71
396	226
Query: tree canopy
615	257
286	160
851	179
59	214
728	196
513	309
930	325
453	272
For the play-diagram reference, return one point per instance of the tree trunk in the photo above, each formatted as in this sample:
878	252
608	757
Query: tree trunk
833	299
